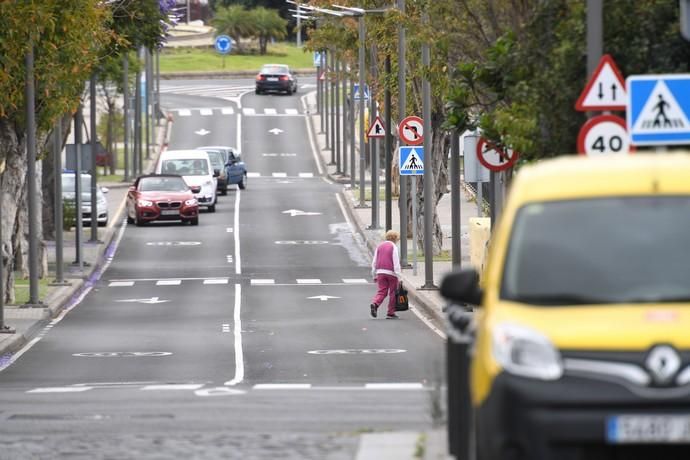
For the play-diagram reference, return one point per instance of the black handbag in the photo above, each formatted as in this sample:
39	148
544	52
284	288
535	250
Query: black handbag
401	301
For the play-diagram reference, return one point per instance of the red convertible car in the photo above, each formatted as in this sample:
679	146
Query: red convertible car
161	197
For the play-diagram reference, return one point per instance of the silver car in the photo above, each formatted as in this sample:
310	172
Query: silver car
68	193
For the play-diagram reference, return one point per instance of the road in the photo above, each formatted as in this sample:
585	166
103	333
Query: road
245	337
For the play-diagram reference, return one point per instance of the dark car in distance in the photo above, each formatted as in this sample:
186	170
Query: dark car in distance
276	77
161	197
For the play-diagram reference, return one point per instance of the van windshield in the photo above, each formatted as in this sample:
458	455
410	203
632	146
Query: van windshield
186	167
610	250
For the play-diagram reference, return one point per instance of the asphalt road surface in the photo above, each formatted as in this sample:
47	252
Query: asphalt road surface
247	337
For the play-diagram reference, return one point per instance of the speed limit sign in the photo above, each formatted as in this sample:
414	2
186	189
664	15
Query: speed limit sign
602	135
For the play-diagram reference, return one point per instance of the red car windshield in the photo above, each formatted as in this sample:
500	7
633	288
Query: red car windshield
162	184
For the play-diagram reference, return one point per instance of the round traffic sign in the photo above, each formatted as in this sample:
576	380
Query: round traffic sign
223	44
411	130
493	158
604	134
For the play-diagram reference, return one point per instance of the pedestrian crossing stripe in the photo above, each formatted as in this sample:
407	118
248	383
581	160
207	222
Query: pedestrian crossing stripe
661	112
658	109
411	160
226	281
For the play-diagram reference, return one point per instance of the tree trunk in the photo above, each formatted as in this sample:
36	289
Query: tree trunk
110	142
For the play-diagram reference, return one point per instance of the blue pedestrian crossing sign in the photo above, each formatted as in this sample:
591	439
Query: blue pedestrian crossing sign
317	58
223	44
658	109
357	93
411	160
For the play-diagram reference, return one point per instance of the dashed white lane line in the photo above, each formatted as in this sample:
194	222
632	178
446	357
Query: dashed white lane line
121	283
279	174
172	386
168	282
248	111
184	112
262	281
291	111
282	386
394	386
217	281
355	281
270	111
227	110
253	174
306	175
60	390
308	281
206	112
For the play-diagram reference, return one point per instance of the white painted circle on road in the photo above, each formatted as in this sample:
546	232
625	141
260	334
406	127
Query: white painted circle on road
173	243
355	351
122	354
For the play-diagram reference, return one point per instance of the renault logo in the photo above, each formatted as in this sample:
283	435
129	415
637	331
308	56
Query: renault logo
663	362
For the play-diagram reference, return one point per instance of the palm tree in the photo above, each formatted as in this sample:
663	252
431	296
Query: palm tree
268	25
234	21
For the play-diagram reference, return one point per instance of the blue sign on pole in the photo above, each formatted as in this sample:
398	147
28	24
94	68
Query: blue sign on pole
223	44
411	160
317	59
357	92
658	109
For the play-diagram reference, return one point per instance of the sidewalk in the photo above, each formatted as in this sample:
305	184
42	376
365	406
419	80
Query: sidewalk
432	444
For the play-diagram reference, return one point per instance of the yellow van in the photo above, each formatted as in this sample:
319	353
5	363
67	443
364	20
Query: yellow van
582	346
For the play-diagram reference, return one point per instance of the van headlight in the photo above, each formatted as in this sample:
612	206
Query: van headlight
525	352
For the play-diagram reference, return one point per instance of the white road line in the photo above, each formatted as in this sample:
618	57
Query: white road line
184	112
239	353
305	175
225	328
121	283
314	150
206	112
172	386
279	174
253	174
262	281
282	386
248	111
308	281
355	281
270	111
229	229
394	386
216	281
236	235
292	111
168	282
345	213
227	110
60	390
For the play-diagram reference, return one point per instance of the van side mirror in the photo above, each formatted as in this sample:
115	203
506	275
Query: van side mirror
216	172
462	286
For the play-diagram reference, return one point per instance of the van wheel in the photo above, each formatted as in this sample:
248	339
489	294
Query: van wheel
212	208
243	183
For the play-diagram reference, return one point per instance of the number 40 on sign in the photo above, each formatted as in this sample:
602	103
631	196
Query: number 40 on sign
604	134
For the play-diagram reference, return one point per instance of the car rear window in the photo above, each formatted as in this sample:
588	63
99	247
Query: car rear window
609	250
274	70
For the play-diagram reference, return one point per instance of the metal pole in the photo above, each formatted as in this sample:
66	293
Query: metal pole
59	237
428	170
158	86
125	111
331	81
147	103
322	109
4	328
362	145
346	113
388	145
78	121
595	33
402	113
373	144
456	247
29	94
318	89
137	124
299	27
336	93
92	165
414	224
326	112
353	136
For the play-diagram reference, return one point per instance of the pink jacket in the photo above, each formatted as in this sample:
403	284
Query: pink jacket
386	260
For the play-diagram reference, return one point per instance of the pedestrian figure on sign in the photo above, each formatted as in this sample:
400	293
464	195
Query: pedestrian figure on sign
661	107
385	268
413	163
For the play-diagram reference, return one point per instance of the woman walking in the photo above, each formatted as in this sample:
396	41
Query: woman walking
385	268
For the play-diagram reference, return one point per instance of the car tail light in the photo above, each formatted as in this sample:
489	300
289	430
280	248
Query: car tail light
260	77
283	77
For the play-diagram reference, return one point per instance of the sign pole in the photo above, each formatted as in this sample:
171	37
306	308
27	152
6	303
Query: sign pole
373	148
428	170
362	145
402	109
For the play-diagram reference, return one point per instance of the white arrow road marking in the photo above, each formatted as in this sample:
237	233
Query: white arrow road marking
323	298
152	300
202	132
299	212
275	131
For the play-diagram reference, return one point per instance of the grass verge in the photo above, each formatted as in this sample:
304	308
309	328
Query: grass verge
21	289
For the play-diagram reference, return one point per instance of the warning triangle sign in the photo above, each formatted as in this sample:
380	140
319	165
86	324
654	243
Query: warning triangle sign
605	90
376	129
322	77
413	162
661	113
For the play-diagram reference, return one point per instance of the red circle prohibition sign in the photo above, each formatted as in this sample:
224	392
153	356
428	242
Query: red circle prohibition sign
411	130
505	160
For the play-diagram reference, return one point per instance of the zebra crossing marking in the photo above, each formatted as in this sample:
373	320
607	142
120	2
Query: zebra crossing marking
121	283
216	281
206	112
262	281
248	111
355	281
168	282
184	112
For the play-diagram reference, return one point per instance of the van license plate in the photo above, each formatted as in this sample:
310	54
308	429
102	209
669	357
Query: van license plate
624	429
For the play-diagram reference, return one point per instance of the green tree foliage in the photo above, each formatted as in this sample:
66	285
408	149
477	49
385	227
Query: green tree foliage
233	21
267	25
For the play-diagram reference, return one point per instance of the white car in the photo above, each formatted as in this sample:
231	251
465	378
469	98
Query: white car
68	193
195	168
